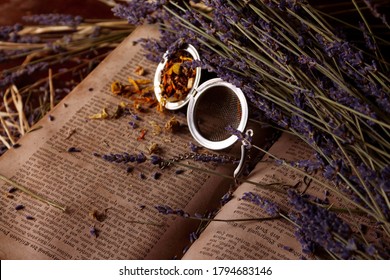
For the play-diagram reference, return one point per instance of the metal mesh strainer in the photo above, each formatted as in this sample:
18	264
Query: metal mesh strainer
216	105
217	108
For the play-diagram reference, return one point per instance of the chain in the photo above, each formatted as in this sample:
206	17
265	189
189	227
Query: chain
204	157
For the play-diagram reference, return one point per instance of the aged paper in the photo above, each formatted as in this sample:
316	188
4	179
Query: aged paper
110	206
267	239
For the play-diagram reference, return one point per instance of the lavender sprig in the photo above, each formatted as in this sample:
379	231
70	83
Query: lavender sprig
167	210
270	207
316	226
54	19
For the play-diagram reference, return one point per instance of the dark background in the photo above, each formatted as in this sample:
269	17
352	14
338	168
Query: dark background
12	10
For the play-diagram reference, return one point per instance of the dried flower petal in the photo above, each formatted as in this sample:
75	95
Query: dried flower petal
156	128
173	125
153	148
93	231
139	70
12	190
129	169
19	207
156	175
142	176
116	88
73	150
102	115
142	134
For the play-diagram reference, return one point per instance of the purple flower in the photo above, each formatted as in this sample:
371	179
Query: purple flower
245	138
93	231
155	159
226	198
270	207
12	190
8	78
54	19
164	209
19	207
193	237
319	227
139	12
194	148
374	11
141	158
124	157
73	150
167	210
156	175
129	169
133	125
142	176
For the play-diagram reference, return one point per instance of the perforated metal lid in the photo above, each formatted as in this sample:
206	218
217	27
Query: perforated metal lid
215	106
157	81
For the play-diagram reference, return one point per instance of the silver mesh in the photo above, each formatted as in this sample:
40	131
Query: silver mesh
216	109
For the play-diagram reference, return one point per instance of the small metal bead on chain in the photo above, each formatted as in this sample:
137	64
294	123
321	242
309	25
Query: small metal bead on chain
198	157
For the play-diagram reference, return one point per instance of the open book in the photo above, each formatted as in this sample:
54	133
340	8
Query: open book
110	207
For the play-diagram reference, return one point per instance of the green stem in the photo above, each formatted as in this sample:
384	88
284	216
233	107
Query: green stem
32	194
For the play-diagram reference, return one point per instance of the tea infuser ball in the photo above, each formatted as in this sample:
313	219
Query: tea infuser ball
215	106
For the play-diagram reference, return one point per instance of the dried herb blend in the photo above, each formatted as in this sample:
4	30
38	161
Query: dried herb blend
177	77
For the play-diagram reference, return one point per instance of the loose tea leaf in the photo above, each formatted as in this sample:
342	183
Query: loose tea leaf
177	78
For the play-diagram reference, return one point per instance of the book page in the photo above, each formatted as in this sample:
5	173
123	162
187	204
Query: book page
110	207
260	239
